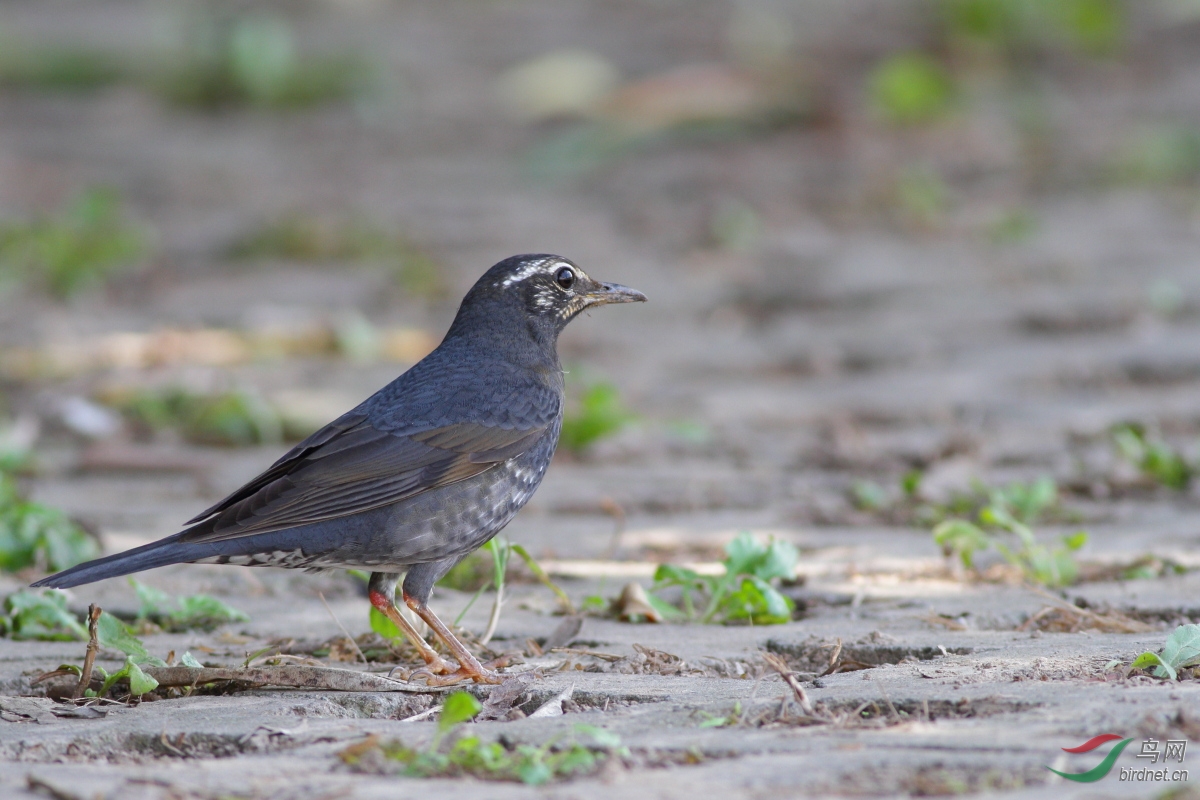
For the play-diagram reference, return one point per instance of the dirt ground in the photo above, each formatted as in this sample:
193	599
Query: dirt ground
829	340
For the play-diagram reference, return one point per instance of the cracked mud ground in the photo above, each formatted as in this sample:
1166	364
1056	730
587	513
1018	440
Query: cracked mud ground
841	345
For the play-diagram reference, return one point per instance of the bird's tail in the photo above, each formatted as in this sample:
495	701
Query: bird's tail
156	554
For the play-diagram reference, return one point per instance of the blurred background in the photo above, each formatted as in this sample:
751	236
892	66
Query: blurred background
897	251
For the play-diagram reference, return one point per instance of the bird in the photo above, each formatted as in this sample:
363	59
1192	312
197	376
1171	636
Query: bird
421	473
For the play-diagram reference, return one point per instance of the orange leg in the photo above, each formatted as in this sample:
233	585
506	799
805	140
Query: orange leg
434	663
469	666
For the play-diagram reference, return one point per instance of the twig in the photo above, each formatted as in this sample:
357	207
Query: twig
888	700
290	675
833	659
593	653
89	658
494	619
1119	622
426	714
166	743
342	628
779	665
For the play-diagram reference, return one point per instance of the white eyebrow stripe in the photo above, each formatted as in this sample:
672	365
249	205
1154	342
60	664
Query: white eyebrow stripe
532	268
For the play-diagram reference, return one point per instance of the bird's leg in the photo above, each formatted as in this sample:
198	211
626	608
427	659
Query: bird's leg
382	591
469	667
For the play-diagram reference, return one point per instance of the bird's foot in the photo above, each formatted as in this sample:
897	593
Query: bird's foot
505	660
462	675
434	665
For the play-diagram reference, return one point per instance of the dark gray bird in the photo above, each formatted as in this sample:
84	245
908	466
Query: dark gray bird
420	474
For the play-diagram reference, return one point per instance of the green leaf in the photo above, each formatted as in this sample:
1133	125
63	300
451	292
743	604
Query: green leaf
577	759
384	626
1076	540
1026	502
742	554
594	602
599	413
757	601
533	772
42	615
139	682
1130	443
204	612
868	496
459	707
151	602
910	484
114	635
1183	647
541	575
778	562
910	88
501	551
111	680
957	536
1161	668
188	660
33	534
665	610
672	575
600	736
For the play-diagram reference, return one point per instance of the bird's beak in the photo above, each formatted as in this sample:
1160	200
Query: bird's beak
605	293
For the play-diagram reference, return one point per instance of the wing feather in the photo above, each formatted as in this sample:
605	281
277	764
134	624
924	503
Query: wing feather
350	466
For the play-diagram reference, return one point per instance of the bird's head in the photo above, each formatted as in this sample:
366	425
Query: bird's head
546	291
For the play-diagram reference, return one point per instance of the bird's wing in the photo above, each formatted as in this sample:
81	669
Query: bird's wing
350	466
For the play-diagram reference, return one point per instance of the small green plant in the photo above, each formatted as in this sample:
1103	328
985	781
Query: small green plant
472	574
1015	28
254	61
452	754
1049	566
869	496
744	593
909	88
112	634
1094	27
58	69
734	717
35	535
190	612
41	616
1181	650
235	418
1027	502
598	414
1156	459
296	237
79	248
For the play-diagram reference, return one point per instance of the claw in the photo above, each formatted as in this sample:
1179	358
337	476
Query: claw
438	665
423	672
461	676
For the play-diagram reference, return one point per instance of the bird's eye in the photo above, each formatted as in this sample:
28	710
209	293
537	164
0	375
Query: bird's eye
565	277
